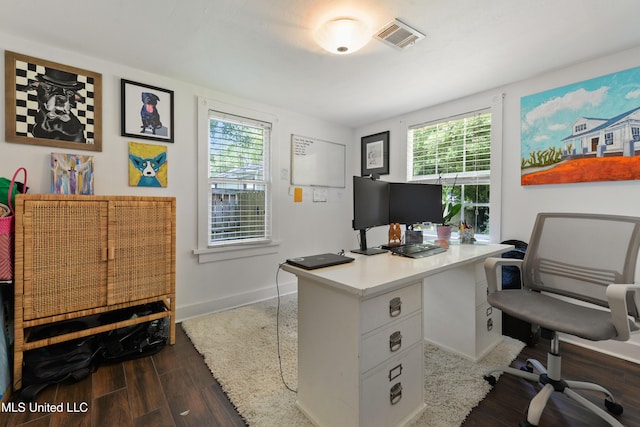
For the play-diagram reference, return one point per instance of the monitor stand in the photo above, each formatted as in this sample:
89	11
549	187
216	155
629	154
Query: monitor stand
363	246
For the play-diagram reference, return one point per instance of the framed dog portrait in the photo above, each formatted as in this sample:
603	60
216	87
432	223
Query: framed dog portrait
52	104
148	165
147	111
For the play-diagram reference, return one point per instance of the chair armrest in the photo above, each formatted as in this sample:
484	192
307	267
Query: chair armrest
493	270
617	298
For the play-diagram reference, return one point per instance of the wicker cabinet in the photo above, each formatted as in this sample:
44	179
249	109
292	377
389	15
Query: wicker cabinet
80	256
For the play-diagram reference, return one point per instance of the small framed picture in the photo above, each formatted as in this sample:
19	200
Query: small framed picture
375	154
52	104
71	174
148	165
147	111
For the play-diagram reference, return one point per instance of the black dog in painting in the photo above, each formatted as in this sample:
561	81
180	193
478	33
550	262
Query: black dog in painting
57	94
149	113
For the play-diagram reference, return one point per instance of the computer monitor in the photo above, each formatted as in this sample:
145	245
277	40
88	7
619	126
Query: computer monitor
411	203
370	209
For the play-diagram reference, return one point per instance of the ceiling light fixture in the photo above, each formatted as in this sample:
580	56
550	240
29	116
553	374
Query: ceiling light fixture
342	35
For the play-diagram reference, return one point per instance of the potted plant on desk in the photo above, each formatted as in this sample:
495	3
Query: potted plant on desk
443	231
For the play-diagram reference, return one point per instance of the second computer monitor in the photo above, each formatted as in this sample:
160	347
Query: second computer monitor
412	203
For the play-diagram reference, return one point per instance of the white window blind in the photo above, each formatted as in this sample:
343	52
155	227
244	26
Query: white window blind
239	179
455	150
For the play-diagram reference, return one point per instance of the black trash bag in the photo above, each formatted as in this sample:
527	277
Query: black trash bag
69	362
132	342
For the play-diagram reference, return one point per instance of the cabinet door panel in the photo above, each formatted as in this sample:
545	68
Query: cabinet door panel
140	250
65	266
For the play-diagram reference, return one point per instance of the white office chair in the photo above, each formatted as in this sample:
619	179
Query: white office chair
578	279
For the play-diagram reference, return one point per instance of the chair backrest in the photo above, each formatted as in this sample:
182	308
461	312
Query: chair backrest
578	255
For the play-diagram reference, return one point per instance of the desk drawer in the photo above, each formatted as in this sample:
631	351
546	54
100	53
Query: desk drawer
390	306
389	341
394	390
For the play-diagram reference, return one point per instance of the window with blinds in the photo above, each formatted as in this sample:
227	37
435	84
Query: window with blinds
239	179
456	153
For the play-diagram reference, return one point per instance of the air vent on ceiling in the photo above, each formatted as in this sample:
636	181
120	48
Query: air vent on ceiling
399	35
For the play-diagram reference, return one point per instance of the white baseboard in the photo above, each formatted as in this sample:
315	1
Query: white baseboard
627	350
232	301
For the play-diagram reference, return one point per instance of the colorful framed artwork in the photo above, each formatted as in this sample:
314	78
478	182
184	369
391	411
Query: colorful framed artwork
583	132
375	154
147	111
71	174
147	165
52	104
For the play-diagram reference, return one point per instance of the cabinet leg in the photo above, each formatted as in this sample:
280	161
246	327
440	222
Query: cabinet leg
17	370
172	322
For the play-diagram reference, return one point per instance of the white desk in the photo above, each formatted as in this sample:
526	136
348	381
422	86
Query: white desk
361	328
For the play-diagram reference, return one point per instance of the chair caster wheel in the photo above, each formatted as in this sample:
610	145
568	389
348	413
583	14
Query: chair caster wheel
526	423
613	407
490	379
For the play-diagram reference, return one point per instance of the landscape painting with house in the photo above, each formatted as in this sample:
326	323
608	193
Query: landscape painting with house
587	131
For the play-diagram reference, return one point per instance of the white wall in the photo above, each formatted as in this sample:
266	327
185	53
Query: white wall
303	228
520	204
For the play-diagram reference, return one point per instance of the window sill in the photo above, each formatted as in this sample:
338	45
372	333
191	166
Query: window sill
236	251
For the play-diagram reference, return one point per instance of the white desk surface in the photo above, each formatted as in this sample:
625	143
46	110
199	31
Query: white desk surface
374	274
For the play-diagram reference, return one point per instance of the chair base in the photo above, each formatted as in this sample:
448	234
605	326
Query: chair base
552	382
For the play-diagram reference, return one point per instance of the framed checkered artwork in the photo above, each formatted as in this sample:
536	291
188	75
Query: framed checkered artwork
52	104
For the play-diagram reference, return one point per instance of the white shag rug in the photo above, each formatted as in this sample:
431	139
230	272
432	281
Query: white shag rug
240	348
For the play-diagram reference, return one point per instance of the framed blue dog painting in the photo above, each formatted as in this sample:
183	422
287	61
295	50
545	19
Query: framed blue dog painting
148	165
52	104
147	111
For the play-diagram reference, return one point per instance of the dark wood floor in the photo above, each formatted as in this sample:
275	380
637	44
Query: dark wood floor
507	403
175	388
171	388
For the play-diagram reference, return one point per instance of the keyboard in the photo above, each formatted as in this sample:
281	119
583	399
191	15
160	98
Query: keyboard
418	250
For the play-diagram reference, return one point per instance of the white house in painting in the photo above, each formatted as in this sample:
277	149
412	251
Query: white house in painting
617	135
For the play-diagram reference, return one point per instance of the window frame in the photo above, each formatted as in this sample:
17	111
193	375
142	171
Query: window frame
459	109
235	248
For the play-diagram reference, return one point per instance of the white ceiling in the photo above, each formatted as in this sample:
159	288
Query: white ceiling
263	50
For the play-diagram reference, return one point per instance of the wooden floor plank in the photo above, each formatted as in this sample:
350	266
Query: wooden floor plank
159	418
223	412
112	409
145	390
107	379
75	400
186	403
18	418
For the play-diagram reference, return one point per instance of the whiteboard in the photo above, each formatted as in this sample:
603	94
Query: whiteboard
317	162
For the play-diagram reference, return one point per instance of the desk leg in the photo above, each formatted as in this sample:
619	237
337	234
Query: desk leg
328	370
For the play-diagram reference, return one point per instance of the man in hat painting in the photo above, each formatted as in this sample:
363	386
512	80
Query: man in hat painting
57	93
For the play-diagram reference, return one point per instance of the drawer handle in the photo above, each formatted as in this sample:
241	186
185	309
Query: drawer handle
395	394
395	341
395	307
395	372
